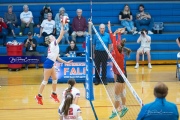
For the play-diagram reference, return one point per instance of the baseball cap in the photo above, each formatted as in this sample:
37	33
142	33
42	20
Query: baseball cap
29	33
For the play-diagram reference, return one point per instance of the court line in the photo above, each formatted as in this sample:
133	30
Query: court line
56	108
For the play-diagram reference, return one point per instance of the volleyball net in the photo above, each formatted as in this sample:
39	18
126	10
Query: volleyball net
133	101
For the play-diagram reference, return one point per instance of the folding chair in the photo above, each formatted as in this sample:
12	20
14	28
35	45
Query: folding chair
178	66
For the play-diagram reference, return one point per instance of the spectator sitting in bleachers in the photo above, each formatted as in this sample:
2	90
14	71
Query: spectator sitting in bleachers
144	48
30	44
3	33
66	30
26	20
143	19
44	14
160	109
178	41
79	25
126	18
72	47
47	28
61	12
10	19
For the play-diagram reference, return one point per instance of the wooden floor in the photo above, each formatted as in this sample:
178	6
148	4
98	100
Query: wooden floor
18	89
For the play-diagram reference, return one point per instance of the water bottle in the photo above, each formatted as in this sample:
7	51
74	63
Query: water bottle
74	54
70	52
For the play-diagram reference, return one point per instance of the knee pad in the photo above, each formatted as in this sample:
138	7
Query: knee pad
80	118
44	82
117	97
123	94
54	82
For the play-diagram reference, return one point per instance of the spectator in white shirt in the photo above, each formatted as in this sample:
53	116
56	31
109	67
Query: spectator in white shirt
47	27
144	48
26	20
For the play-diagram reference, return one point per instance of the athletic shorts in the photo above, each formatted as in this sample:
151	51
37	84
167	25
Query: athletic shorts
120	79
145	49
48	64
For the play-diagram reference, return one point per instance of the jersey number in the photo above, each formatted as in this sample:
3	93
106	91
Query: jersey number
70	111
49	51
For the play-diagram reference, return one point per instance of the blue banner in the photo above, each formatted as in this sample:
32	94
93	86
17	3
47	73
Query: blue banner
78	70
22	59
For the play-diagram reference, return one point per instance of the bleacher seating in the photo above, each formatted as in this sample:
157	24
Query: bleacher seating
163	45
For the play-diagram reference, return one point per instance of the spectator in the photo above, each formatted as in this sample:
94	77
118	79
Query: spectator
30	44
44	13
3	33
10	19
144	20
26	20
126	18
72	47
100	55
160	109
178	41
61	12
47	27
66	30
144	48
79	25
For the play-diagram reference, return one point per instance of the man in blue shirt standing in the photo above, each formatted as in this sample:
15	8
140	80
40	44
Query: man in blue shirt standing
160	109
100	55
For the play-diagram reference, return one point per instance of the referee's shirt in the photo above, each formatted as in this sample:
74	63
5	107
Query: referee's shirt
106	39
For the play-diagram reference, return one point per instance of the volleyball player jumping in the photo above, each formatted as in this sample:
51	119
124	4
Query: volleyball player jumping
118	54
49	70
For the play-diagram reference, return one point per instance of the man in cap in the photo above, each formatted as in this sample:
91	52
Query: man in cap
30	44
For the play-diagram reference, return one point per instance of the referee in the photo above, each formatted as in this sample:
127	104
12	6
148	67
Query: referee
100	55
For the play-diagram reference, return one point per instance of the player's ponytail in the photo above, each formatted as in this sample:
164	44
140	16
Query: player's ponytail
71	83
68	101
127	51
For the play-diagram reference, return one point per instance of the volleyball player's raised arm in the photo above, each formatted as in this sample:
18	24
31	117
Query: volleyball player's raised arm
63	61
61	34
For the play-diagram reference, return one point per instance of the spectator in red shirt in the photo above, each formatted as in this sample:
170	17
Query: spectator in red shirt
3	34
118	55
79	25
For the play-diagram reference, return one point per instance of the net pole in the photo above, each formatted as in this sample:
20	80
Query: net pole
89	69
119	70
91	9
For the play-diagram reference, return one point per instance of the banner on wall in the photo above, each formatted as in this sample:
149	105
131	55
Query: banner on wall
77	70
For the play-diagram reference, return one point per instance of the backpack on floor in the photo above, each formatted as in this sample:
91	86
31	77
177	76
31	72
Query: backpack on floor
158	27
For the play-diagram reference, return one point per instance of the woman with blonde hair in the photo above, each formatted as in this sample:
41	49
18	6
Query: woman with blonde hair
126	18
49	70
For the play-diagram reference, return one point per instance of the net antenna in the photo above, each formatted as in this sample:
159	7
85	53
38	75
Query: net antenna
139	100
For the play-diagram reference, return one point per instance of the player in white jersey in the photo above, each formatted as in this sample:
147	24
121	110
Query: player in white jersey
70	111
74	91
49	70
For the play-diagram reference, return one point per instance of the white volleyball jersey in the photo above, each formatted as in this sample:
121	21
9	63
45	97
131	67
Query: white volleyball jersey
72	113
53	51
74	91
144	42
